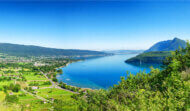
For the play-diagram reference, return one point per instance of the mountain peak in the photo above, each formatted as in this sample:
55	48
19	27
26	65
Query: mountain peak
175	38
169	45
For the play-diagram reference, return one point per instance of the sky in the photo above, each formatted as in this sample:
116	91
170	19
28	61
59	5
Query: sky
93	25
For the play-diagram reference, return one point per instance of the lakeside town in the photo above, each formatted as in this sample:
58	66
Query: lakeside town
32	83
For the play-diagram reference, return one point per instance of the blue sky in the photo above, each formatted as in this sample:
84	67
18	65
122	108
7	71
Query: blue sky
93	25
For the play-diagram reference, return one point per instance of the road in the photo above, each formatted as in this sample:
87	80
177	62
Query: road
38	97
54	85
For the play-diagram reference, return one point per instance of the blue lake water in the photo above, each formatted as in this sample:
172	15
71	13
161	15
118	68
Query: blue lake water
101	72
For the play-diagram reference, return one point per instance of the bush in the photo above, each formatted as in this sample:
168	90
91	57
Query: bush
16	88
55	79
11	98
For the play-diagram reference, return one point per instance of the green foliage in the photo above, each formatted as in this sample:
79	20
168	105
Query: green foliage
150	57
47	83
34	84
60	105
60	71
71	88
13	87
159	90
55	79
11	98
5	78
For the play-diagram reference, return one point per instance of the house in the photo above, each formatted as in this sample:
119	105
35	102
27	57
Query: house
11	93
34	87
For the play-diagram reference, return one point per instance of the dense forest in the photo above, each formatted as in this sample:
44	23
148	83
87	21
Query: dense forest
149	57
159	90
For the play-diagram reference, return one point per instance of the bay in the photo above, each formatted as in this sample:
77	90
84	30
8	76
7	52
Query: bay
101	72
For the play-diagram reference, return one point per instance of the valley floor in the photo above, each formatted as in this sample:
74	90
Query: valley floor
24	88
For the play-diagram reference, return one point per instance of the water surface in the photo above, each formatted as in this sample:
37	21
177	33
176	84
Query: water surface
100	72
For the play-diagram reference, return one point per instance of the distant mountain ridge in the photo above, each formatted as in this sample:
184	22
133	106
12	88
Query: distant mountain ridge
123	51
169	45
31	50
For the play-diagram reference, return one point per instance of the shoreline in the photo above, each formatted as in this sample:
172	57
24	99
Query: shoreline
85	84
69	63
83	89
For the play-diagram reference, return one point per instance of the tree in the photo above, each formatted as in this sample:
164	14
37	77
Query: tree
60	71
55	79
16	88
11	98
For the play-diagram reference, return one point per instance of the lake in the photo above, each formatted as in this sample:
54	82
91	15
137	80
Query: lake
101	72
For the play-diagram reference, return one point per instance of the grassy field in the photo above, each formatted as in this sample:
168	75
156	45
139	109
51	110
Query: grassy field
54	93
30	101
33	77
2	96
2	83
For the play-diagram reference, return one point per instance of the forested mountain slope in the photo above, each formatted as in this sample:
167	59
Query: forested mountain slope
149	57
158	52
169	45
29	50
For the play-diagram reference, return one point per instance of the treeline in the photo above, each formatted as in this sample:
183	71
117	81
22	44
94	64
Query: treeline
150	57
159	90
12	87
68	87
16	65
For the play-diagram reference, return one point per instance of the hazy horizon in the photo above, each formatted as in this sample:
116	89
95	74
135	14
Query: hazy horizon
87	49
93	25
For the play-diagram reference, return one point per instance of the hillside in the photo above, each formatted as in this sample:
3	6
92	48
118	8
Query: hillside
30	50
149	57
158	52
169	45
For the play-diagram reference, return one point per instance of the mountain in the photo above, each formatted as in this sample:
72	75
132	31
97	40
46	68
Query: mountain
169	45
30	50
123	51
158	52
